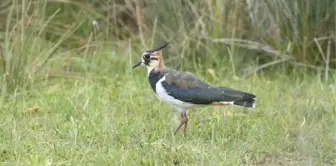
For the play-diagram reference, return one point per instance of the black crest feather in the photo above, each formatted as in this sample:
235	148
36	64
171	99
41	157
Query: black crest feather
158	48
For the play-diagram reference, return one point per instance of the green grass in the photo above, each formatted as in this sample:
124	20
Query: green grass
117	120
67	100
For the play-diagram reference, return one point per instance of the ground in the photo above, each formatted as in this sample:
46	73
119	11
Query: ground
117	120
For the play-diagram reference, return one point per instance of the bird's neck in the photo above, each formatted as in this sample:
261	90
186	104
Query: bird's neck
154	75
150	69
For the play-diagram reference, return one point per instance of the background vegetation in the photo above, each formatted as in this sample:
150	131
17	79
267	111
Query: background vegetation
69	97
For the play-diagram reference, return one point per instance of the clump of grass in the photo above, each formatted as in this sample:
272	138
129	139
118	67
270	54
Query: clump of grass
281	32
253	33
24	50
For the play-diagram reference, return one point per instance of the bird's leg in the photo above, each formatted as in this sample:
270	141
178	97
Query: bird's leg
181	124
184	121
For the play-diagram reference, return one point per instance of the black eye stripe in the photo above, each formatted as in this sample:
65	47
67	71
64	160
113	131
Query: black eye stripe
153	58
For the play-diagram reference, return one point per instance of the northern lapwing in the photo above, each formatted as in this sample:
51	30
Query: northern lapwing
183	90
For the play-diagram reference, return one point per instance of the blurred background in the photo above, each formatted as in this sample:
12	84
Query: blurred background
240	36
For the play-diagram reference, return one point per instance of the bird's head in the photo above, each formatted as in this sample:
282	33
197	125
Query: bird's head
152	59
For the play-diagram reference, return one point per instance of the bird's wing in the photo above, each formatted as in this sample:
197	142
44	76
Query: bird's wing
188	88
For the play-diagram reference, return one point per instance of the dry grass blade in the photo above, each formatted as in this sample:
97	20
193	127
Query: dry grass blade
252	45
325	56
263	66
326	72
320	49
304	65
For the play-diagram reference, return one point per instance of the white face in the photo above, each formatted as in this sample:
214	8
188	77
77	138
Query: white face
150	60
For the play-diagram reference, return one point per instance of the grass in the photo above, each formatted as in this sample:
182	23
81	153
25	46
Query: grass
67	100
118	120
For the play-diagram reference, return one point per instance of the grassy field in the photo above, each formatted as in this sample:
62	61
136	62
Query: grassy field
68	95
115	119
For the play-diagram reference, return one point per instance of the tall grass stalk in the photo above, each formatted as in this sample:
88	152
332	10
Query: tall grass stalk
24	50
262	34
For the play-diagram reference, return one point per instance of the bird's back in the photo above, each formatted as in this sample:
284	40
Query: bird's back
186	87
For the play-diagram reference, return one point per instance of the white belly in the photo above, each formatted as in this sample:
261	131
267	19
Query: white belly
163	96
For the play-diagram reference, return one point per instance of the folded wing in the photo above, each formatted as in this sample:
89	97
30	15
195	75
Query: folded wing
188	88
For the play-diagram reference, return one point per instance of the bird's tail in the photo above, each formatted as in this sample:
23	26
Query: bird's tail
246	99
245	102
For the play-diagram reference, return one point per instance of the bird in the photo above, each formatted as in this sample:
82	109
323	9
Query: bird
184	91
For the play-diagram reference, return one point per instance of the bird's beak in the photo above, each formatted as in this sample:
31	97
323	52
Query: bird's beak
136	65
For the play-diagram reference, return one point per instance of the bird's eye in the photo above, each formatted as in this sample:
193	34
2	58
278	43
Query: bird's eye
147	56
